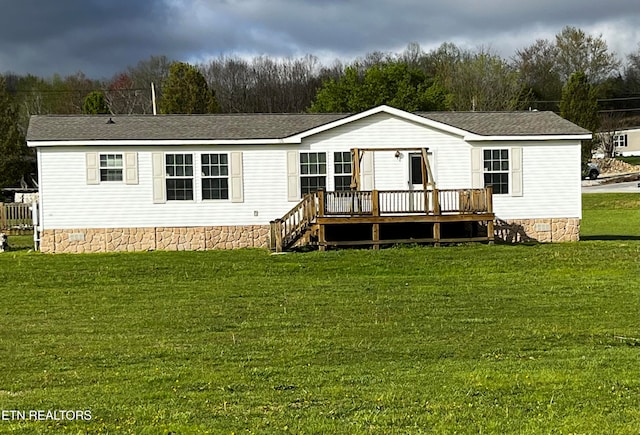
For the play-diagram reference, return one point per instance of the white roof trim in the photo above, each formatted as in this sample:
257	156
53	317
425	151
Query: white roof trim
155	142
382	109
479	138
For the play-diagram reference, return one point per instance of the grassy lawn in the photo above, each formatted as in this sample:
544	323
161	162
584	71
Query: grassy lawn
633	160
463	339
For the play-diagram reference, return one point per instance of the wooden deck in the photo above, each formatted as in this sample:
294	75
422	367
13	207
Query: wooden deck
374	218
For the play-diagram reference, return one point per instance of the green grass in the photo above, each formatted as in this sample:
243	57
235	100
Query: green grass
633	160
462	339
610	216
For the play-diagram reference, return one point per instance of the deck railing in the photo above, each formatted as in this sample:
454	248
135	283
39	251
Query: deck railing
15	215
285	232
292	225
393	202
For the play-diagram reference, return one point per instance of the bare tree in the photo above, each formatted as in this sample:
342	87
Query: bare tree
610	125
264	84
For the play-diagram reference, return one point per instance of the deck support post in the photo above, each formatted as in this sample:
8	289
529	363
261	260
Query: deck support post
436	234
489	202
322	241
276	235
375	235
375	211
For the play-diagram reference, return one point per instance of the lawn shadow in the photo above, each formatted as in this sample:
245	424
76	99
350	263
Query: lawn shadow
610	237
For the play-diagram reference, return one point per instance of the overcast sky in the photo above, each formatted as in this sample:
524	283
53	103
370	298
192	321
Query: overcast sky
103	37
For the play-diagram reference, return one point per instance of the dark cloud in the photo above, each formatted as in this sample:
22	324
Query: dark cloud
102	37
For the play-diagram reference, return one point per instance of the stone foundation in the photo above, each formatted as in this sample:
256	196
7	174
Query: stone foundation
148	239
538	230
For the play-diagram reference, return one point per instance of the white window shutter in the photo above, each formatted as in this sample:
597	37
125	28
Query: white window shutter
235	178
131	168
368	171
477	168
93	169
516	171
158	174
293	176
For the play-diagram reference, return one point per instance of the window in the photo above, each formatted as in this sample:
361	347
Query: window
110	167
496	170
620	140
313	171
179	177
342	170
215	176
416	169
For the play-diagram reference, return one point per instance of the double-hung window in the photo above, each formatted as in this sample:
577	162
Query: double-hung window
215	176
313	172
179	177
111	167
620	140
342	170
496	170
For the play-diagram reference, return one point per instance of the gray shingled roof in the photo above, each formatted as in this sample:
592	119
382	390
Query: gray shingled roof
273	126
507	123
176	127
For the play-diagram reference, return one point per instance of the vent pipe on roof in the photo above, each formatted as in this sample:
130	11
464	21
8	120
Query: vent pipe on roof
111	121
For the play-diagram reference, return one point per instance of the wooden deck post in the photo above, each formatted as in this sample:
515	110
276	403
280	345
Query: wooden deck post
490	224
3	217
321	204
375	203
276	235
322	241
355	169
436	201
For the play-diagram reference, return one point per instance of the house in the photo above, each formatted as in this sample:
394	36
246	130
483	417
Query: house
627	142
193	182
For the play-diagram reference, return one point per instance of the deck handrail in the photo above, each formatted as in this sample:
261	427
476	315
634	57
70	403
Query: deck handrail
390	202
288	229
15	215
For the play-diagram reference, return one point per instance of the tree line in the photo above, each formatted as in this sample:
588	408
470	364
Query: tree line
572	73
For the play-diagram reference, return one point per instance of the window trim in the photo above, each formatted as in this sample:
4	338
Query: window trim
339	166
491	171
220	166
317	166
108	168
620	140
174	177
